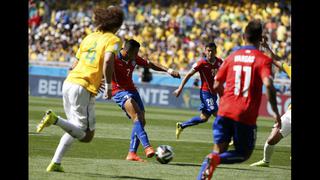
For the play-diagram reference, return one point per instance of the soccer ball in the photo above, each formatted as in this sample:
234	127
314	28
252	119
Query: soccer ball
164	154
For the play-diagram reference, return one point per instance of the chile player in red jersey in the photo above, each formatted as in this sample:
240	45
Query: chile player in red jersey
244	72
127	97
207	67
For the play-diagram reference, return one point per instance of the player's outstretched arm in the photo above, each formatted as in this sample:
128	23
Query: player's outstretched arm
275	57
158	67
183	82
271	96
108	69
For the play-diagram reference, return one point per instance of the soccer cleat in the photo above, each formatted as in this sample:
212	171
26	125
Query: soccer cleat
49	118
213	161
132	156
54	167
178	129
149	152
261	163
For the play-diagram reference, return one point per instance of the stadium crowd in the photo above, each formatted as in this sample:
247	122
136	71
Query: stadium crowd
172	34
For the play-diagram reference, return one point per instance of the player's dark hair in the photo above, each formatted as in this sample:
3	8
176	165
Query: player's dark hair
108	19
253	31
131	44
211	45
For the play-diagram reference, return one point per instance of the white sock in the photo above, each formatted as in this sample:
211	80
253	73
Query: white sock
267	152
73	130
65	143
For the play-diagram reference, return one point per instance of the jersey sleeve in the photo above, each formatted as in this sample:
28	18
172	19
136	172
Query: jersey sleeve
141	62
113	46
287	69
222	72
197	66
266	68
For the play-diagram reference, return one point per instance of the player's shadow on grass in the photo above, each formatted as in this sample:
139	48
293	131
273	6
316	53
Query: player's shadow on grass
276	167
132	177
184	164
242	169
112	177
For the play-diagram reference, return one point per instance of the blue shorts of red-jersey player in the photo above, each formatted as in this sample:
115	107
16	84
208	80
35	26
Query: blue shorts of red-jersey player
208	102
244	136
122	96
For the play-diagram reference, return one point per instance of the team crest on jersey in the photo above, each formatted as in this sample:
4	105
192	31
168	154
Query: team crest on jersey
247	51
133	63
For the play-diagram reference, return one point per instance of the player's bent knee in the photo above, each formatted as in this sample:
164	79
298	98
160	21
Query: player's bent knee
88	138
140	116
274	139
205	120
246	155
204	117
143	122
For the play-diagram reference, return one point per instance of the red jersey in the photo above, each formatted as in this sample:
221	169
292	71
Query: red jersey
122	76
207	72
243	72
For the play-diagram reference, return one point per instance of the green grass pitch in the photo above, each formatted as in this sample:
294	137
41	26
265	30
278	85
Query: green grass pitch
103	158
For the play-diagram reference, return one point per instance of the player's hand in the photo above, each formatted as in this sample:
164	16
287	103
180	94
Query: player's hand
177	92
173	73
101	87
107	94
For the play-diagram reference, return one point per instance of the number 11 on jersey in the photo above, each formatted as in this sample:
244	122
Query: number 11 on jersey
247	78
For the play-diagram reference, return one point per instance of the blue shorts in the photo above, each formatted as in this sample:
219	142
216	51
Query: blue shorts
208	102
244	136
122	96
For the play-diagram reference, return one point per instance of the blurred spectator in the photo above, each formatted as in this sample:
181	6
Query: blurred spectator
125	7
34	15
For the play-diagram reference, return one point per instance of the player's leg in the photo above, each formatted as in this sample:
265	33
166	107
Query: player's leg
244	141
274	138
79	107
121	98
65	141
191	122
244	137
133	109
222	133
204	116
82	123
207	107
71	93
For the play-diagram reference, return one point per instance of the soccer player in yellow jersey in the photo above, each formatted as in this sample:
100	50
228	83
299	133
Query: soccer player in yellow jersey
277	133
95	60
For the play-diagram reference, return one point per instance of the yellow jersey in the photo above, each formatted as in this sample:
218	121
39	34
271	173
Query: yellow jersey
287	70
88	72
